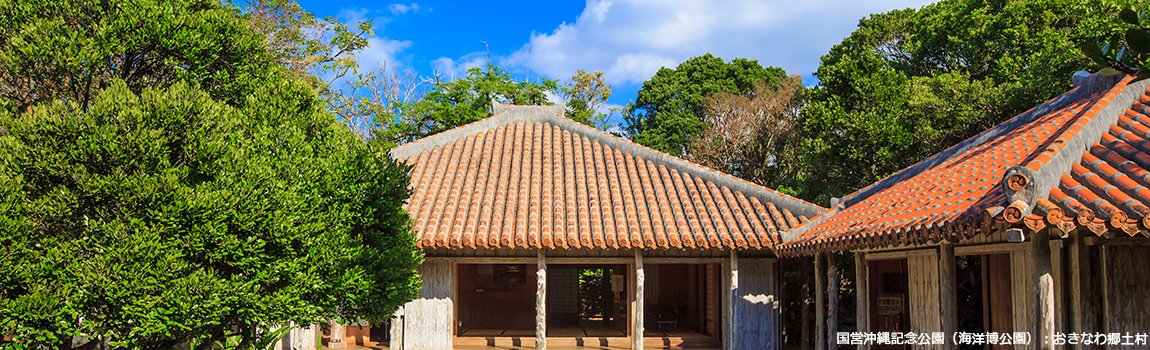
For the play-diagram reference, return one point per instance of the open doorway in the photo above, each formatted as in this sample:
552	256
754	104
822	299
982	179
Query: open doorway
587	301
889	292
984	281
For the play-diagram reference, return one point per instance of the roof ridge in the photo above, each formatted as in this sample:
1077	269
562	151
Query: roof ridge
1025	183
1080	91
553	114
502	115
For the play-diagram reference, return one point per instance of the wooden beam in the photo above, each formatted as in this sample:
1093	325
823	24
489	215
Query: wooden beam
805	328
899	254
1044	288
640	279
987	249
820	309
541	302
832	301
948	292
862	291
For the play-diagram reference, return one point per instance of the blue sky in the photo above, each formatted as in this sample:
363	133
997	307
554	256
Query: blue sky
626	39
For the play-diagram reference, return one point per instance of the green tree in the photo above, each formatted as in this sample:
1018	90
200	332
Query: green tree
165	179
1125	53
70	49
449	104
667	114
909	83
584	95
165	217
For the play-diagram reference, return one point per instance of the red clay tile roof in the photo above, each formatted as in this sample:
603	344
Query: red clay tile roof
529	178
1078	160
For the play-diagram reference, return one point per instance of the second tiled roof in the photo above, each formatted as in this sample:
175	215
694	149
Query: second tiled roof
1078	160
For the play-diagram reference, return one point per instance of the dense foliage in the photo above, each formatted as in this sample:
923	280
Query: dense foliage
71	49
1127	52
909	83
667	114
163	180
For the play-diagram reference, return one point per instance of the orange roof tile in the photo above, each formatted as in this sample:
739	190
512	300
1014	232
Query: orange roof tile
529	178
1028	171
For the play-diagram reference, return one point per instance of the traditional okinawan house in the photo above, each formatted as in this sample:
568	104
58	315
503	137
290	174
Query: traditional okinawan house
1036	225
542	231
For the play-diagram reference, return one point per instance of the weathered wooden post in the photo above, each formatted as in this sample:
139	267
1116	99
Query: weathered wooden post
948	292
805	328
1084	307
640	279
832	302
734	298
304	338
337	335
541	302
1044	284
862	289
820	308
396	342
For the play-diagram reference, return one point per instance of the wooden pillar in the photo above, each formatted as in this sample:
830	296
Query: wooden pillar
832	302
335	341
862	291
640	280
948	293
820	308
805	328
1044	288
733	340
541	302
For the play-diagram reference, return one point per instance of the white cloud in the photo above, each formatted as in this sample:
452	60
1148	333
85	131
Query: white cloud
450	69
399	9
353	16
630	39
382	51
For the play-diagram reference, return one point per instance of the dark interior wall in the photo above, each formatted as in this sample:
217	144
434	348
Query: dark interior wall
675	292
563	296
1127	284
496	296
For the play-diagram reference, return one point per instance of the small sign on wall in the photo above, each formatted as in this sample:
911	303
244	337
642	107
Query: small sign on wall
889	305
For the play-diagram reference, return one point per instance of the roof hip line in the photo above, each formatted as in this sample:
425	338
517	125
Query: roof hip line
1032	180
